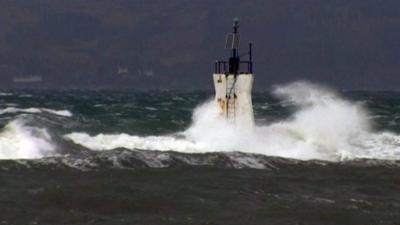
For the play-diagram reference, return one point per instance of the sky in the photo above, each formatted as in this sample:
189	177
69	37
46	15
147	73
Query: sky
157	44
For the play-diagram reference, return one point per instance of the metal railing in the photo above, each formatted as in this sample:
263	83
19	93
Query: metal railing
223	67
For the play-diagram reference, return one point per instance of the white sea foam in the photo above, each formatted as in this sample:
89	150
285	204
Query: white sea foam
325	127
19	141
113	141
64	113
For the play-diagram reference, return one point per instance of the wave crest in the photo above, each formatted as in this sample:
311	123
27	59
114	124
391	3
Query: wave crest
19	141
325	126
10	110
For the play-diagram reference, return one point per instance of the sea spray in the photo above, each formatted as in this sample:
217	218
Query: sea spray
19	141
324	126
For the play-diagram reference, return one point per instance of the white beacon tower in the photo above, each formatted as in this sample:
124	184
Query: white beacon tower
233	81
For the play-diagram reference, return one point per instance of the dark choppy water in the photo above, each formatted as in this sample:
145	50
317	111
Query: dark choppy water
82	157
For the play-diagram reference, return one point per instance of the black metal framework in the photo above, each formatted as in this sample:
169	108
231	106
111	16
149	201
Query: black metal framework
223	67
234	65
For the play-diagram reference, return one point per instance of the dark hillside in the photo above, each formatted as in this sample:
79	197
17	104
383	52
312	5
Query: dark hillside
172	44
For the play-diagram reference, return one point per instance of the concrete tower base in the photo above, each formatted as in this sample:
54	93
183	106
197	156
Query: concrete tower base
233	97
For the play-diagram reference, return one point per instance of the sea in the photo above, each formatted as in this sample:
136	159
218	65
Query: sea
316	155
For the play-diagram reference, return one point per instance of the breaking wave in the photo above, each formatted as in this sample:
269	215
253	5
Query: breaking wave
10	110
20	141
325	126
